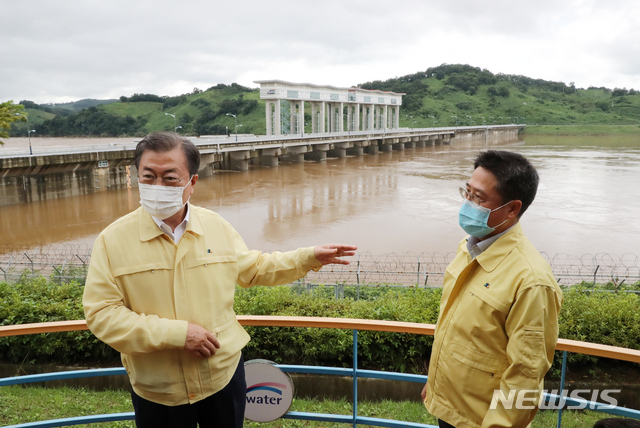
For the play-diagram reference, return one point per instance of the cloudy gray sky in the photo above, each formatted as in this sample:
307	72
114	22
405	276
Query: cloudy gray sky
56	51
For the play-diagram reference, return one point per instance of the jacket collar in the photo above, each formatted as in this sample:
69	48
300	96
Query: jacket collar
150	230
499	250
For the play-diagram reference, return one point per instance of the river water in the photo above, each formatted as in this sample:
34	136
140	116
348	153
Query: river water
395	202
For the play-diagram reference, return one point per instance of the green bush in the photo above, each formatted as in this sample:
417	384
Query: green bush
610	318
333	347
35	300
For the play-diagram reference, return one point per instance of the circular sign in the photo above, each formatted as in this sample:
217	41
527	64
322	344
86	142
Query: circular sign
269	391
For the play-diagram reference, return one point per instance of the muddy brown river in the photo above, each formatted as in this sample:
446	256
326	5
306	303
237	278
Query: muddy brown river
395	202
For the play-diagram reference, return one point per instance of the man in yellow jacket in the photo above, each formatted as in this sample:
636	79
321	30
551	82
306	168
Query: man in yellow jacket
160	290
498	322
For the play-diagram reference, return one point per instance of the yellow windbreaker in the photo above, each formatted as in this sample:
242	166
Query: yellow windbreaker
142	290
497	330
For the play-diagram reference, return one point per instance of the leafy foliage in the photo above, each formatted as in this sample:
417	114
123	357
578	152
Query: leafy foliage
204	125
9	112
460	90
594	315
377	350
40	300
587	315
93	122
234	88
136	98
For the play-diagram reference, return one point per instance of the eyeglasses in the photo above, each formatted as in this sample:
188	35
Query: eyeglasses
469	196
168	180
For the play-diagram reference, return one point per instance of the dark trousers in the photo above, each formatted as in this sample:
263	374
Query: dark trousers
224	409
443	424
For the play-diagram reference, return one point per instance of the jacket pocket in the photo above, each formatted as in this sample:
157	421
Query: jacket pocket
466	378
533	351
205	260
479	360
211	282
232	338
140	268
156	374
147	288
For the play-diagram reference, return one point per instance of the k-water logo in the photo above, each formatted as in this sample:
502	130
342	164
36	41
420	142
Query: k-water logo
273	387
269	391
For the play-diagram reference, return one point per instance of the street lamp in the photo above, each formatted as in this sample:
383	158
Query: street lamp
29	133
178	127
236	122
175	121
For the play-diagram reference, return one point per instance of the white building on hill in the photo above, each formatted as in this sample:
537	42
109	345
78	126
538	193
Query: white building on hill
333	109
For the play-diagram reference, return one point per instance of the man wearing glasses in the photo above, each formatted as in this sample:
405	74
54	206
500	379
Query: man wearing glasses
160	290
498	322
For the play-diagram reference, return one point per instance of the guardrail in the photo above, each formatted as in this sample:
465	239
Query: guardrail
316	322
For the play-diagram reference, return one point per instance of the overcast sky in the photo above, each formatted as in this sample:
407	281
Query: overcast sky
57	51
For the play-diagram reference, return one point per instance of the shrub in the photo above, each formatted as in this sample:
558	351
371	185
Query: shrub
40	300
609	318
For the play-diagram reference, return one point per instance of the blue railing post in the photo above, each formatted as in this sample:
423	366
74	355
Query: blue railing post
561	399
355	378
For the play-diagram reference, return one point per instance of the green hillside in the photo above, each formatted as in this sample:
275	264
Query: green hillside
464	95
447	95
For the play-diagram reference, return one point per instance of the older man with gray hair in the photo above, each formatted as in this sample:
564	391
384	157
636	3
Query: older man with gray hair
160	290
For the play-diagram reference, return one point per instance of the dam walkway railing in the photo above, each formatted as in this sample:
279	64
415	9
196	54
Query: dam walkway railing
315	322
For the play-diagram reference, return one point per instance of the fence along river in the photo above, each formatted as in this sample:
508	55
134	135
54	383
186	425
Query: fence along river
583	219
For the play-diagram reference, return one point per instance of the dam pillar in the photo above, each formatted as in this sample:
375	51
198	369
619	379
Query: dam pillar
268	157
386	146
295	154
239	161
318	153
400	144
372	148
339	150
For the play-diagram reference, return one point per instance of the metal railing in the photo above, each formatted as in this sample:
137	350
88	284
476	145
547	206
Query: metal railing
316	322
68	262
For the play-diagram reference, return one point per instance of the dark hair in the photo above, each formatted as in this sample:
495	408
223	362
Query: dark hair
617	423
160	142
517	178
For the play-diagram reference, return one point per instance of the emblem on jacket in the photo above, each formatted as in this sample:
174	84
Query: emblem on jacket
486	285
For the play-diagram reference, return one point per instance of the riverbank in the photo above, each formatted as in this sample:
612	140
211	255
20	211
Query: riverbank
580	129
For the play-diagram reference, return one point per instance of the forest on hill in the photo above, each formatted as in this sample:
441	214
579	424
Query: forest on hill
446	95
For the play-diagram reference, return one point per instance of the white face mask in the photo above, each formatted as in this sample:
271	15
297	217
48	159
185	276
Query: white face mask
161	201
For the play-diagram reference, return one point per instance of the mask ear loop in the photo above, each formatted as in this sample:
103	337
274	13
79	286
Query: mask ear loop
496	209
505	220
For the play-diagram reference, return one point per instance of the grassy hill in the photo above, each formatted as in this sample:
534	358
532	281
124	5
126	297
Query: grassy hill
465	95
447	95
